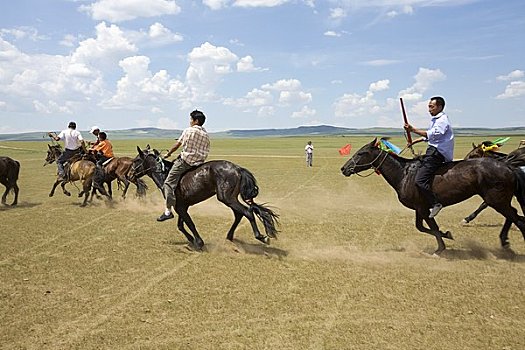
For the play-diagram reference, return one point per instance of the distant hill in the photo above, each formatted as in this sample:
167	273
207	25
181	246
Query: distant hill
155	133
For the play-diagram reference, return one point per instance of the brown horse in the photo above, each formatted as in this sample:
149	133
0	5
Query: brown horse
219	178
118	168
495	181
9	169
79	170
515	158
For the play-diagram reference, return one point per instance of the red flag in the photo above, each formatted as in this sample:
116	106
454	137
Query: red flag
345	150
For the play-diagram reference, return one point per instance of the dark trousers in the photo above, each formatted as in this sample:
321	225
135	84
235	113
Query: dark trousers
432	160
170	184
64	157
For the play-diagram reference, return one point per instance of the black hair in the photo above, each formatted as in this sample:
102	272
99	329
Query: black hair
198	116
72	125
102	135
440	101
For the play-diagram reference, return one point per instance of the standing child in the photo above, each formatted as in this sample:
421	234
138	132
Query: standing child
309	150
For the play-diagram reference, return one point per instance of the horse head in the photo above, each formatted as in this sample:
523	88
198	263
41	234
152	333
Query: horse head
363	159
148	163
53	153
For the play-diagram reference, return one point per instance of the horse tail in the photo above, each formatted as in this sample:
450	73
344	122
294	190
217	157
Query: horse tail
520	187
12	174
141	187
250	190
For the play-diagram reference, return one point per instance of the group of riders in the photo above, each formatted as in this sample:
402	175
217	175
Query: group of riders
194	140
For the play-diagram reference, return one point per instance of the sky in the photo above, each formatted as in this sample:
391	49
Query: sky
258	64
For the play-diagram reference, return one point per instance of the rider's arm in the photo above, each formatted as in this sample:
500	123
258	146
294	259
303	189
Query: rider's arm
173	149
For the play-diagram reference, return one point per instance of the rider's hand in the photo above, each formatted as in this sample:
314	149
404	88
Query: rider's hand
167	155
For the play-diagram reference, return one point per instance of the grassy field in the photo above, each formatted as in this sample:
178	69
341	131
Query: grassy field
348	271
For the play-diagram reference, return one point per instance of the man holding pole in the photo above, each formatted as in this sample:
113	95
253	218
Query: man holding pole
440	138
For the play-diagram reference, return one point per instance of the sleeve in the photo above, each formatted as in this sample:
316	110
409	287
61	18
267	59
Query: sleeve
439	128
182	136
61	135
80	138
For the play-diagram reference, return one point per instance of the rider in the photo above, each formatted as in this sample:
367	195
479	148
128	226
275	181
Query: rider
103	149
440	138
195	148
73	144
95	130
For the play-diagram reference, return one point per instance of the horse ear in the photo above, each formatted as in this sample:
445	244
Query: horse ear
148	147
374	143
473	145
156	153
141	154
49	146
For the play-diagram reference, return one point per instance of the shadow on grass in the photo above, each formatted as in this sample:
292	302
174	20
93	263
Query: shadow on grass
20	205
237	246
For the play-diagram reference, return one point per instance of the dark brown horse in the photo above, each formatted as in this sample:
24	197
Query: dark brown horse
9	170
78	170
515	158
495	181
118	168
217	177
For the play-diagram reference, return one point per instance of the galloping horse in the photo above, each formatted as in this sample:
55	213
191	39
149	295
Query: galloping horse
79	170
454	182
222	178
515	158
9	169
119	168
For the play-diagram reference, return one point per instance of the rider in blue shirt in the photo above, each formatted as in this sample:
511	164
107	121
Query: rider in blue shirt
440	138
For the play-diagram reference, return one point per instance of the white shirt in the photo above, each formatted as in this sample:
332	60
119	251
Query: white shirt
441	136
72	138
309	149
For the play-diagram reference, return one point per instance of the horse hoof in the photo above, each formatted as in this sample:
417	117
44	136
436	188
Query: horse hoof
67	194
448	235
464	222
264	239
51	195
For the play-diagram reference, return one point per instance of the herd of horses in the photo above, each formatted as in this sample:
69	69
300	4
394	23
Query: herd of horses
494	176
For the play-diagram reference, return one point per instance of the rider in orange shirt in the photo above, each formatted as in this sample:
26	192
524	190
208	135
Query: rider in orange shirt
104	149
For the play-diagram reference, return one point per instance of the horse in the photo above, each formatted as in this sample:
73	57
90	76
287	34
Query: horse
221	178
485	149
118	168
79	170
495	181
9	170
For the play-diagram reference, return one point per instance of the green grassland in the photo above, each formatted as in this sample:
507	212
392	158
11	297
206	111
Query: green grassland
348	270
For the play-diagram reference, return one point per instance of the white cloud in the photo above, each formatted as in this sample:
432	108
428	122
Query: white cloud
337	13
380	62
514	75
69	40
305	112
208	64
216	4
167	123
162	35
425	78
514	89
139	88
379	85
254	98
259	3
50	107
245	65
23	32
332	33
107	48
353	104
124	10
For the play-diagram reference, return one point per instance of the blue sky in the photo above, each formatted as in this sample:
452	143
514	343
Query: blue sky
253	64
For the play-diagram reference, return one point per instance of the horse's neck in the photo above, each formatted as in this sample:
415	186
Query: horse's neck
393	170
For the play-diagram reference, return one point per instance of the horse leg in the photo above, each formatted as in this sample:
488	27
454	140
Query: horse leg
16	190
66	192
237	207
238	217
422	228
511	216
472	216
184	217
434	228
53	188
4	196
504	234
86	186
180	226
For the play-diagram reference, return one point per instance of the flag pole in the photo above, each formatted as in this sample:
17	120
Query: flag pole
405	119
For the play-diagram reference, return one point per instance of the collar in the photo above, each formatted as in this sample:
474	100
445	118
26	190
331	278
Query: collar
439	115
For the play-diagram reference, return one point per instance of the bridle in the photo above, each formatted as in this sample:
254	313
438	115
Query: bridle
371	164
157	168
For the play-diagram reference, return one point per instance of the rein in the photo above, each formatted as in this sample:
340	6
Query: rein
381	152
